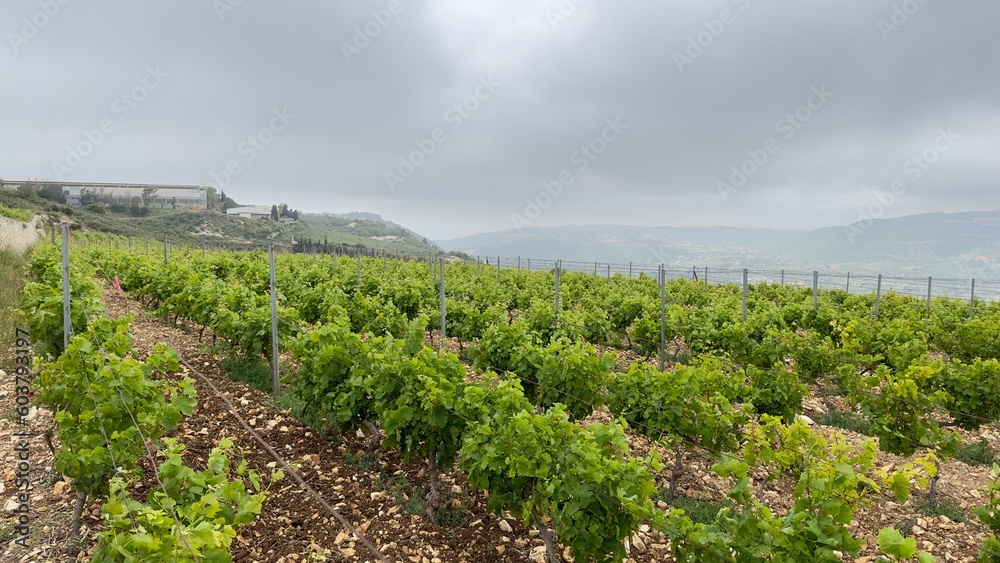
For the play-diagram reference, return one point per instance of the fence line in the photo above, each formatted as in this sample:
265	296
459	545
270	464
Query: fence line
984	290
854	283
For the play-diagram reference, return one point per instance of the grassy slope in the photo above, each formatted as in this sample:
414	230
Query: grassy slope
360	232
189	227
197	227
31	203
12	271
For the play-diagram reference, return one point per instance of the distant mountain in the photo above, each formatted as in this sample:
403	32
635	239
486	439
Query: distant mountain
614	243
938	244
363	216
364	229
911	238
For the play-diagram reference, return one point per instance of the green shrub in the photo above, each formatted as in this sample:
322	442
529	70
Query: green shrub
251	370
977	454
193	517
848	421
777	391
943	507
16	213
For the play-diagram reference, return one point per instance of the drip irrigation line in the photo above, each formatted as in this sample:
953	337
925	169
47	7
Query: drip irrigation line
295	476
312	492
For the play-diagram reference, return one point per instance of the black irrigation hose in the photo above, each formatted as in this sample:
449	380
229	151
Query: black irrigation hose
305	486
347	524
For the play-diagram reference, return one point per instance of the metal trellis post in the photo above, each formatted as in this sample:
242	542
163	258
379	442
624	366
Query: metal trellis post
815	290
274	323
67	313
746	275
878	296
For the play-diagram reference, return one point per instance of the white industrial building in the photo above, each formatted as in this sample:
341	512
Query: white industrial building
251	212
157	195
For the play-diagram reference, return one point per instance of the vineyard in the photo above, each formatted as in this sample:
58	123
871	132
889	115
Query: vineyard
575	405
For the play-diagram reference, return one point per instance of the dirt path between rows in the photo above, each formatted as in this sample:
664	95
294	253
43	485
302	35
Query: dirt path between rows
295	527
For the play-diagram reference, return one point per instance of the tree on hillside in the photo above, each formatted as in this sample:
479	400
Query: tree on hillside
52	193
228	202
212	198
136	209
87	197
148	195
274	212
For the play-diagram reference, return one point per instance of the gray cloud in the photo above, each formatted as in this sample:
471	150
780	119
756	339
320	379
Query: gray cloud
561	78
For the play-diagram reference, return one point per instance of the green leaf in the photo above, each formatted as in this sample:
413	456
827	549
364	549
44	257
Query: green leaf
892	542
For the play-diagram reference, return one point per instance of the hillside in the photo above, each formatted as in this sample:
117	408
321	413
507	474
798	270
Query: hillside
215	228
939	244
17	236
954	245
617	243
363	229
943	244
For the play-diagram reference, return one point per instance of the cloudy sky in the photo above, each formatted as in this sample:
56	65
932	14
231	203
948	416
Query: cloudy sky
460	116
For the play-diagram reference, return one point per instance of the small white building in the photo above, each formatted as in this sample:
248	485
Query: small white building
250	212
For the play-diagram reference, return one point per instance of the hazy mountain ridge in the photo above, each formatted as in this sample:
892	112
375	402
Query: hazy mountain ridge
363	216
962	244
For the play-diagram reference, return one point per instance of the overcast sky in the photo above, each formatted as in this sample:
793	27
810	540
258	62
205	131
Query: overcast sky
643	108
